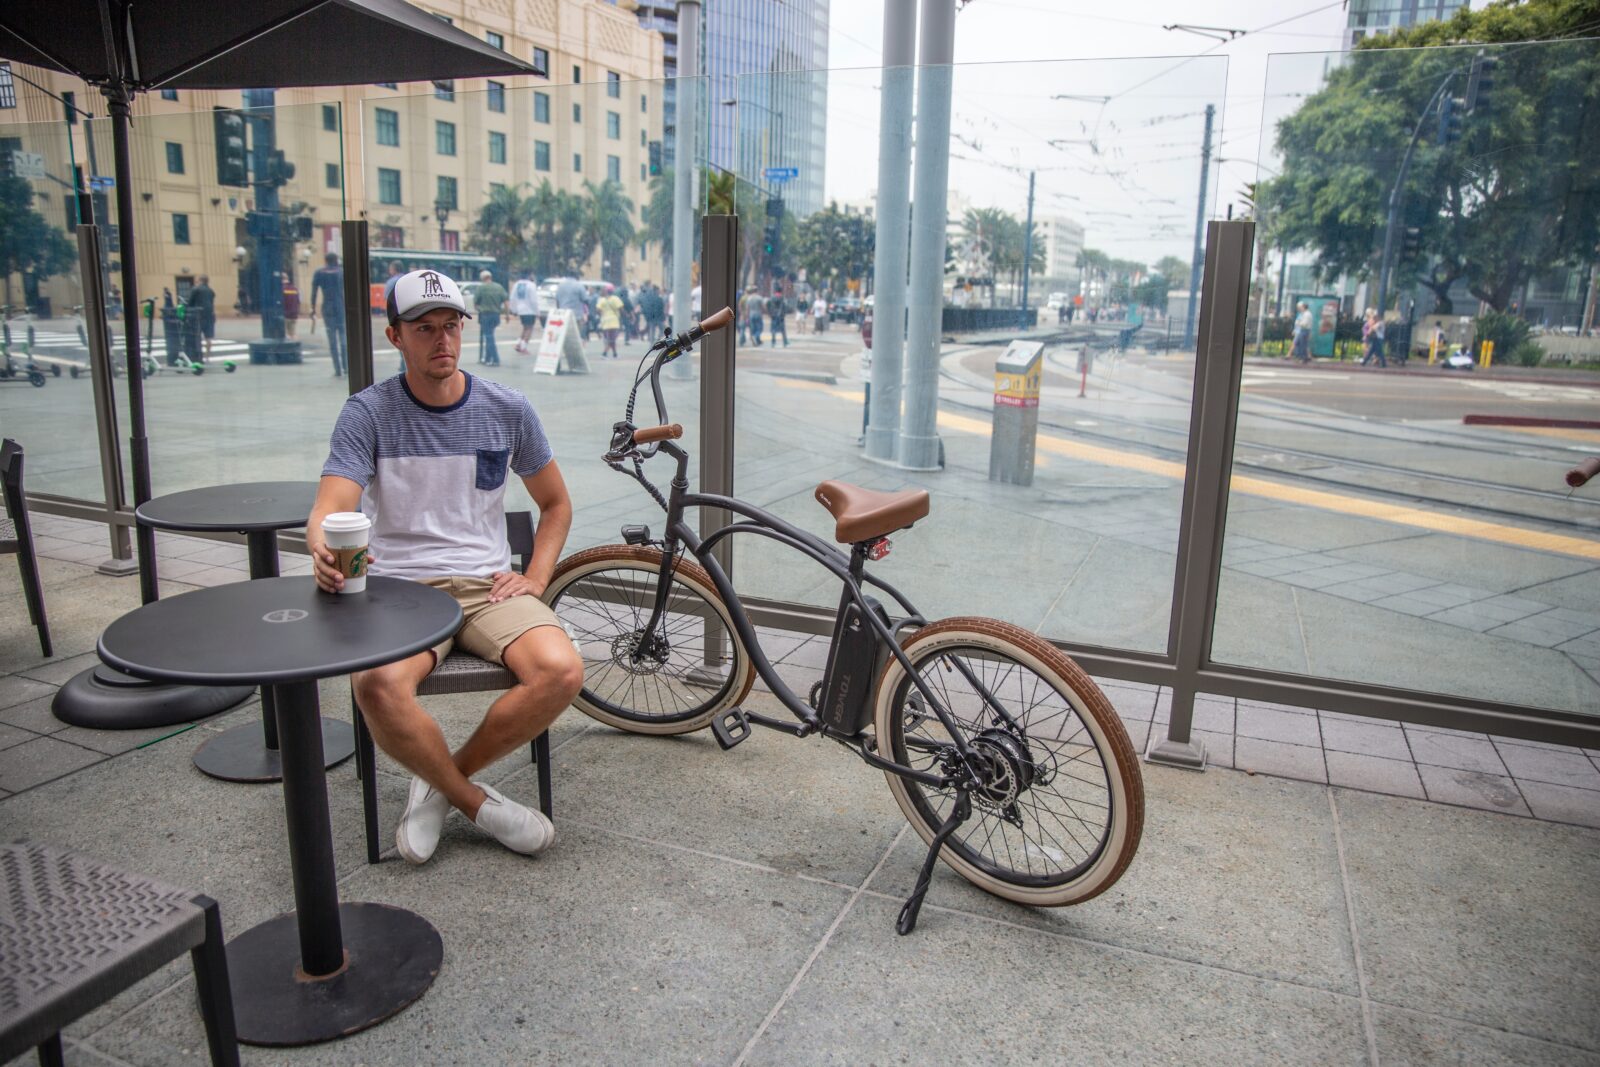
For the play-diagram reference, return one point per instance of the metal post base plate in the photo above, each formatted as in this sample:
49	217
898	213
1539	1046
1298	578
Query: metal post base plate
101	698
118	568
1190	755
392	956
241	754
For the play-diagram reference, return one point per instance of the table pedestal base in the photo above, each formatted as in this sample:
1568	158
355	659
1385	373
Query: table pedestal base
392	957
102	698
241	754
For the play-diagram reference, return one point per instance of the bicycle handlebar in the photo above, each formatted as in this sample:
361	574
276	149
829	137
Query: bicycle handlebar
1580	474
657	433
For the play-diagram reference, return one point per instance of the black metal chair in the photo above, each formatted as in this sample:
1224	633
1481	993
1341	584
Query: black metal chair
460	672
74	933
16	538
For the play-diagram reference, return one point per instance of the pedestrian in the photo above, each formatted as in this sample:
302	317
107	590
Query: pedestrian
654	310
744	327
427	456
570	298
1372	339
327	286
754	307
1302	333
490	301
628	316
819	314
203	306
610	309
525	306
291	306
778	317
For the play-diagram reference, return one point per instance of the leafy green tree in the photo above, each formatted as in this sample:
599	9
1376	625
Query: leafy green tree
833	243
502	227
28	243
1173	269
609	224
1515	195
560	241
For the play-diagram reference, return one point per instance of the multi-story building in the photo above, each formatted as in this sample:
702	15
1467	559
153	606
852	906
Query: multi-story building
1062	239
417	161
767	105
1381	16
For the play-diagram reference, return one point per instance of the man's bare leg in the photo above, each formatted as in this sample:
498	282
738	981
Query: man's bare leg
400	726
549	674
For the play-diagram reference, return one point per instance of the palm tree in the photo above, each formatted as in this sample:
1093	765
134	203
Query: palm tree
501	228
609	224
657	220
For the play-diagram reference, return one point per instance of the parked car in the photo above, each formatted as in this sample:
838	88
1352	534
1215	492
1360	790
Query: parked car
845	309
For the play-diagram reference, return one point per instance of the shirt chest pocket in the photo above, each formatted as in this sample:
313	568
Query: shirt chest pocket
492	467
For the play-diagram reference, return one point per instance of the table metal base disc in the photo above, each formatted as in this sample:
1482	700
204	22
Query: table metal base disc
241	754
392	957
102	698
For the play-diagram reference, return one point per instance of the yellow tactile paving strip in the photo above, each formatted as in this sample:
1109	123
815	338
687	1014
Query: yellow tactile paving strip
1399	514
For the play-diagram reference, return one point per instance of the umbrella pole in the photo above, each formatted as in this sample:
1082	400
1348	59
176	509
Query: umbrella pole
117	100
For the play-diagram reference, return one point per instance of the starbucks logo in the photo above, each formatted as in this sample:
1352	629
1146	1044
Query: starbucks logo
284	615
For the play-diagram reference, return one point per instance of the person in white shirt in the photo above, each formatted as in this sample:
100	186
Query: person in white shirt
525	305
819	314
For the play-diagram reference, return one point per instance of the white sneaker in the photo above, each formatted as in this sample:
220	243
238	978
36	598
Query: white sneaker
418	833
518	828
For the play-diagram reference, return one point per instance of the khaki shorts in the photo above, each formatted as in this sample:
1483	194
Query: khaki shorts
487	629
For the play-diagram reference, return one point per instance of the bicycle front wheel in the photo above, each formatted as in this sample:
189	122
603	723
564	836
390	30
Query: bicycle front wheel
605	595
1058	810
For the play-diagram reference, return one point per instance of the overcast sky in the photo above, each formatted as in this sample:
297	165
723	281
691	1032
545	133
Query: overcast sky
1128	167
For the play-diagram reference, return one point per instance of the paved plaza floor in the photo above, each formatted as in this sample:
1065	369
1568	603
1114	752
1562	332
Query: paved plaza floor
710	907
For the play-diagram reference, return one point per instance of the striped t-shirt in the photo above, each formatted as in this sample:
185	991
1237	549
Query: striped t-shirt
433	479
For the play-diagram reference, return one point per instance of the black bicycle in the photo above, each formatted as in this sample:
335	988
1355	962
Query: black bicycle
1004	755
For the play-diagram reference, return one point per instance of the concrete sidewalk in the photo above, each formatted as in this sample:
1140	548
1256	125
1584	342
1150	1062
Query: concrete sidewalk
709	907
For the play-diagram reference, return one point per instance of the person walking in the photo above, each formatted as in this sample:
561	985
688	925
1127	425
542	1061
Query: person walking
629	317
525	306
1372	339
819	314
203	306
777	317
291	306
490	301
610	310
654	310
1302	333
570	297
327	285
754	307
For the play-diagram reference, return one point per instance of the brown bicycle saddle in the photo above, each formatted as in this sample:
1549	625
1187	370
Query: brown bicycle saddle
866	514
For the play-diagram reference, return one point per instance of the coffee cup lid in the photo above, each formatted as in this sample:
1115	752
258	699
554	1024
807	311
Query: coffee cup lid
346	520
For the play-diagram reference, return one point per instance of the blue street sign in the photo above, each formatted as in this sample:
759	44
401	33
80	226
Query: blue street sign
781	174
100	181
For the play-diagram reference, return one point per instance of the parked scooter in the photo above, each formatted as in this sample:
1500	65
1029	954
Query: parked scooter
10	369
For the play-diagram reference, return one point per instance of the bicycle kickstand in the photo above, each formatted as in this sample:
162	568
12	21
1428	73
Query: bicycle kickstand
913	904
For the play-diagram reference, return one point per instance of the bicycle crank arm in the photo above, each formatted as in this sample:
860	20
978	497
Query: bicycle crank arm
733	726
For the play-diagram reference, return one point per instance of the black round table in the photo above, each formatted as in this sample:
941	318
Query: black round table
258	510
352	965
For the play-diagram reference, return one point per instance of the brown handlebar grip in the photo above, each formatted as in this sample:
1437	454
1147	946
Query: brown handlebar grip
717	321
657	433
1583	472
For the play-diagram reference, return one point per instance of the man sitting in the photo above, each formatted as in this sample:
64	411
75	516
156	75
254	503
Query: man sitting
425	454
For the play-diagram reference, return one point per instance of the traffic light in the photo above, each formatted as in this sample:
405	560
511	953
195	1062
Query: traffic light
1411	243
300	227
1450	119
279	169
232	166
655	158
1480	81
772	237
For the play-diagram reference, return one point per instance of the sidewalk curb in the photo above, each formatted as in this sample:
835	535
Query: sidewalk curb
1424	371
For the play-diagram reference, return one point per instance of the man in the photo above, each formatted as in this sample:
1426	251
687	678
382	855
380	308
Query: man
777	317
203	305
1302	333
754	307
571	297
490	302
426	454
819	314
610	310
654	310
327	284
525	305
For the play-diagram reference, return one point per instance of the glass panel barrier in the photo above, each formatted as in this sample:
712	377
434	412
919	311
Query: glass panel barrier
234	209
1399	513
42	294
1076	537
538	185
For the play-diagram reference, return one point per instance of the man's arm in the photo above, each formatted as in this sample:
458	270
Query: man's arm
549	492
333	494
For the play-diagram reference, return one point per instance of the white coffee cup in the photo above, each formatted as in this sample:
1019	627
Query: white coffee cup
347	534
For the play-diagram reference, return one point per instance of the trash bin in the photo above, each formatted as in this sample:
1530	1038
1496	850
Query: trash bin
191	331
171	334
1016	412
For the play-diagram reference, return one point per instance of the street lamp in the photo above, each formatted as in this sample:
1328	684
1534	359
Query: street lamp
441	212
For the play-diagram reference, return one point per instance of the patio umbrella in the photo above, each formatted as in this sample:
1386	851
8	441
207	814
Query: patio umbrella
127	47
131	46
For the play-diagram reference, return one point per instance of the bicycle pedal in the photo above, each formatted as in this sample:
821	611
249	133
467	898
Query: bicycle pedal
730	728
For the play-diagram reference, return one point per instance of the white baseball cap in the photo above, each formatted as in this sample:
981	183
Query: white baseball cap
415	294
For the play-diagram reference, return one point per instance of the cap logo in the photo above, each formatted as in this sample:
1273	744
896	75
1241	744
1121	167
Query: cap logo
431	286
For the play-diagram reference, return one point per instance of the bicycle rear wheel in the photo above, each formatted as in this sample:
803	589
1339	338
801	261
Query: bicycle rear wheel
605	595
1060	807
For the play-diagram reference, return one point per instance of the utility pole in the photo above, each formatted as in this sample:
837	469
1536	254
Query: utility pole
1199	231
1027	249
920	448
893	227
1397	193
684	174
265	224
